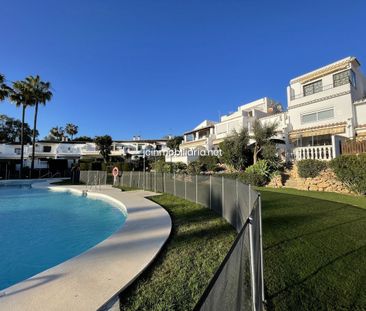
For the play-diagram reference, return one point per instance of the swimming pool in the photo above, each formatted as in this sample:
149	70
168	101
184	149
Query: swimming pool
40	229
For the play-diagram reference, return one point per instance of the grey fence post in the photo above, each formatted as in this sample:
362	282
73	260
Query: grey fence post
261	242
164	183
138	180
155	182
250	200
175	191
196	189
254	294
185	187
237	205
130	179
223	194
210	190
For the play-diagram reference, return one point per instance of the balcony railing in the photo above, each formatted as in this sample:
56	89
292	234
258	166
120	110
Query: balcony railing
324	153
322	89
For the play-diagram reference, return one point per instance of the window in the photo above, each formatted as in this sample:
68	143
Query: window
189	137
317	116
312	88
306	118
46	148
325	114
344	77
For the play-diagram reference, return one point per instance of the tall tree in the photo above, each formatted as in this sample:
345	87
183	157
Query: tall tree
57	133
104	144
10	130
235	149
21	96
174	143
4	89
42	94
262	133
71	129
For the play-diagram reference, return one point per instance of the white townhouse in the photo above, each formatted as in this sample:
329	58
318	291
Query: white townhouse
63	154
209	134
325	107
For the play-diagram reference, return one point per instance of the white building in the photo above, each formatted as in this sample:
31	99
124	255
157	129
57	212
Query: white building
67	153
209	134
326	106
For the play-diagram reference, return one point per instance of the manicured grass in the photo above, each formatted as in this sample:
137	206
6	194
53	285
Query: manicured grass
314	250
178	277
356	200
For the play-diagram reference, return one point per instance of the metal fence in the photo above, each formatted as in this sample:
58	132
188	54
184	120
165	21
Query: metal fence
93	179
238	283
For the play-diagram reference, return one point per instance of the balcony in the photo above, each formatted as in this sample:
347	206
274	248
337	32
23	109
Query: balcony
324	153
323	91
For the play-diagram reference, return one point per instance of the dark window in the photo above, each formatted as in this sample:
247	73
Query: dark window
312	88
344	77
46	148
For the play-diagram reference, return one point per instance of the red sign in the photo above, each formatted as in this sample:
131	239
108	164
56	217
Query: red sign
115	171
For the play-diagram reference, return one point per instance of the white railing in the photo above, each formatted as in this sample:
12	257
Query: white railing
324	153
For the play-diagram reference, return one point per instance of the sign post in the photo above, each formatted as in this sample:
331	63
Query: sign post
115	173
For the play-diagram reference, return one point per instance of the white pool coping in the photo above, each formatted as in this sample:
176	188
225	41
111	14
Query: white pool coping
89	280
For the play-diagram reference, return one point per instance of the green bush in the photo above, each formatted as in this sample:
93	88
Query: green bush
310	168
208	163
256	174
194	167
351	170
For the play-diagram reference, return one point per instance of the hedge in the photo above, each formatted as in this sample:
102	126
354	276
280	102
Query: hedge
310	168
351	170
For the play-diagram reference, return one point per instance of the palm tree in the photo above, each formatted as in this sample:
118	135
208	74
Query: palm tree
57	132
4	89
22	97
42	94
71	129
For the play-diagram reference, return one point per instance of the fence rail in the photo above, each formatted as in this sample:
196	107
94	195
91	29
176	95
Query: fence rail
353	147
238	284
93	179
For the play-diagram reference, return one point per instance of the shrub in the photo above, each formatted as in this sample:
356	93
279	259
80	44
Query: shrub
194	167
208	163
310	168
351	170
257	174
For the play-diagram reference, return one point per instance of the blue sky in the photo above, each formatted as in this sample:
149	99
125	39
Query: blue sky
153	68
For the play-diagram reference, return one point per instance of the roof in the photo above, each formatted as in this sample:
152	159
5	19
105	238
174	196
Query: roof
338	65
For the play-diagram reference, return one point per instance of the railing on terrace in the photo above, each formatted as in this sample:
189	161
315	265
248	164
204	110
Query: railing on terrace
353	147
238	283
314	152
322	89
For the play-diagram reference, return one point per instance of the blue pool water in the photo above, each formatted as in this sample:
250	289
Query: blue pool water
40	229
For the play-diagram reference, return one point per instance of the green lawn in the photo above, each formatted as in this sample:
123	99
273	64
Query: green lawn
314	250
178	277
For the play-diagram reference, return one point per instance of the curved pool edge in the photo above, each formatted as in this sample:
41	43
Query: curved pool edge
94	278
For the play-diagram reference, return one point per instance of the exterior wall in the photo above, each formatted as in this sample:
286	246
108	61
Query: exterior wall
360	111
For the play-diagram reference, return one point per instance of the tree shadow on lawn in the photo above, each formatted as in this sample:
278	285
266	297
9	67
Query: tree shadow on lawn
289	218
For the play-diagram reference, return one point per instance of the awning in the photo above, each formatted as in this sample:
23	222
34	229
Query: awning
317	131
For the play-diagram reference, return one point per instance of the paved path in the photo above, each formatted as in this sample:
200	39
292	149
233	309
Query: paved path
87	281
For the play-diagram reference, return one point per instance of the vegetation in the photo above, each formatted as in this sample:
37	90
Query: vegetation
314	250
262	136
71	129
56	133
84	138
4	89
41	93
22	97
178	277
310	168
257	174
10	130
351	170
235	149
104	144
174	143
